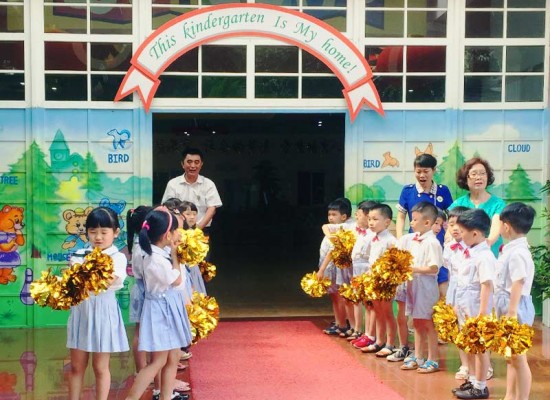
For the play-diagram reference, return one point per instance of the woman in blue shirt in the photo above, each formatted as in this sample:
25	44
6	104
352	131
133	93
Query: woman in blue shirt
425	189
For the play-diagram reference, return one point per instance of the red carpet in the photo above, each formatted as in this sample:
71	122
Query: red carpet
282	360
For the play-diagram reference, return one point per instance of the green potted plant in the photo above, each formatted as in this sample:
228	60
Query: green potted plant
541	257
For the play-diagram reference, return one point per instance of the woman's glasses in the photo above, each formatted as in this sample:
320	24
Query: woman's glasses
477	174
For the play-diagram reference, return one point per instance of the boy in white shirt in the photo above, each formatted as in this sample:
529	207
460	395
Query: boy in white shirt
423	291
515	273
474	294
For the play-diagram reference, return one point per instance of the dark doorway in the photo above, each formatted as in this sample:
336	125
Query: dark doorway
275	174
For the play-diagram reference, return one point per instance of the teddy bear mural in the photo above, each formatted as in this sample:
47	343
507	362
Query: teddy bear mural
76	228
11	238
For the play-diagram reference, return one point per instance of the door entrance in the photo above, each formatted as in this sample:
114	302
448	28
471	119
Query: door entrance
275	173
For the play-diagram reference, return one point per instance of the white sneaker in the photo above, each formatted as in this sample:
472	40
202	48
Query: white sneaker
462	373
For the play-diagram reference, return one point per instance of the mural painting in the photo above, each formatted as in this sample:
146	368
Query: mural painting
48	189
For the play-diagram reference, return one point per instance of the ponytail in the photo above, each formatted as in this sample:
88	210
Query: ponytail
157	223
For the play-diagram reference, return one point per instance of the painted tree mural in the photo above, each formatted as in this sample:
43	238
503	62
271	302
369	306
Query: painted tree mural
43	185
446	170
519	187
359	192
91	180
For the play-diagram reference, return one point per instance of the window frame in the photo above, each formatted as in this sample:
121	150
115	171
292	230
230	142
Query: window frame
25	38
508	42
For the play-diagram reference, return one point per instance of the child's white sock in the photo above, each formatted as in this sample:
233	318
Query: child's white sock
156	391
481	385
472	378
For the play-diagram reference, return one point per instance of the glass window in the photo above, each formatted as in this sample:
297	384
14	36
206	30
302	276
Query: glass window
223	87
483	59
69	56
178	86
524	88
484	24
426	58
161	15
100	64
321	87
384	23
335	18
187	62
103	17
12	18
110	56
483	89
224	59
276	87
526	3
390	88
104	87
525	59
425	89
292	3
111	20
427	24
485	3
312	65
12	86
525	24
276	59
65	19
385	59
12	55
514	70
66	87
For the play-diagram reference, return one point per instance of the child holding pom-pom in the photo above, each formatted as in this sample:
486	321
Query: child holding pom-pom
95	326
338	212
453	258
164	325
134	220
474	294
422	291
515	272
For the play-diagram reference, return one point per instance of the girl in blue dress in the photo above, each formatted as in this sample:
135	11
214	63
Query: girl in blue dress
95	326
134	220
164	325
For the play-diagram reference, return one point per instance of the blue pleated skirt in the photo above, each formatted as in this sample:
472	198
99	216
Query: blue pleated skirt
164	323
137	295
96	325
196	279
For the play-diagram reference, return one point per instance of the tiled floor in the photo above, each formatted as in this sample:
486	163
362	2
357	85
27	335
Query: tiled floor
34	364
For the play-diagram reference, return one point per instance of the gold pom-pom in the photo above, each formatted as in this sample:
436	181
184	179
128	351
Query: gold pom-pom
193	246
512	338
61	293
478	334
445	321
353	292
343	241
314	287
393	267
46	289
376	288
204	314
208	270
